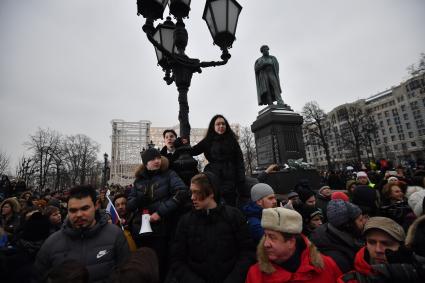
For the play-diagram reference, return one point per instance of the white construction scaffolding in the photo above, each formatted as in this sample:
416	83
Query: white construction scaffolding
128	140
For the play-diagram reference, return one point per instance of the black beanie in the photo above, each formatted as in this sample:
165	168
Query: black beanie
304	193
150	154
365	196
308	212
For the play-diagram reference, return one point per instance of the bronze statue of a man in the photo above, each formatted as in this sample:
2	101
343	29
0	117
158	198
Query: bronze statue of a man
267	78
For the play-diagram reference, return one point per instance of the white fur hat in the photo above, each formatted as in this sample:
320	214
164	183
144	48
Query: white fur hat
282	220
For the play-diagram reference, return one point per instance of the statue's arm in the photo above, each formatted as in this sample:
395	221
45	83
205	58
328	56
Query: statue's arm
258	65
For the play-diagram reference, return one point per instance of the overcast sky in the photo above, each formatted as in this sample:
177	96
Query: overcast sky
73	66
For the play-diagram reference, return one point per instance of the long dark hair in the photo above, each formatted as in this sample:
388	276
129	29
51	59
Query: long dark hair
211	132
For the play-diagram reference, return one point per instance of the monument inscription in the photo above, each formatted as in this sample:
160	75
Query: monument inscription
265	150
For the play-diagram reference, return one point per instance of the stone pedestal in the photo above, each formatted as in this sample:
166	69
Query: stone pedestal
278	135
283	182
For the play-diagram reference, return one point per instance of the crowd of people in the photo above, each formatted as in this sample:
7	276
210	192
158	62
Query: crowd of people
175	224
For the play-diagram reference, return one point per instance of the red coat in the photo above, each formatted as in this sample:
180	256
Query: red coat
360	266
314	267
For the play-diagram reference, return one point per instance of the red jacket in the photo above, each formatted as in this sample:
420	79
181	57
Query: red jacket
314	267
360	265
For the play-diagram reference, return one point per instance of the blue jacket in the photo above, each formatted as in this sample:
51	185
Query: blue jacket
253	213
156	191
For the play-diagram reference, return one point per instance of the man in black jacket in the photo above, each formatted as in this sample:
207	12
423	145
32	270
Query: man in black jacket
86	237
212	243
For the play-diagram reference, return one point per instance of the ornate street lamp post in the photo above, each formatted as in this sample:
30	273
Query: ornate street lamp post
170	41
105	169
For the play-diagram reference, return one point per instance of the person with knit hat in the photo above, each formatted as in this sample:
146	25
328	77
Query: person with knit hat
312	218
366	199
286	255
306	195
340	195
341	237
363	179
159	191
323	197
262	197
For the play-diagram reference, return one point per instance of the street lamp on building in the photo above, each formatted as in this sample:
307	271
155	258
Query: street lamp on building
151	144
105	169
170	41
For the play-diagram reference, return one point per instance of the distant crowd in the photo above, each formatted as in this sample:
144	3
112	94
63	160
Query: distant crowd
175	224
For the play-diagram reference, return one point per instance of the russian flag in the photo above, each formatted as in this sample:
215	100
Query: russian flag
110	208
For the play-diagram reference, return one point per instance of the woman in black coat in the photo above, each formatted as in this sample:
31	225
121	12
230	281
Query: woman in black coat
222	150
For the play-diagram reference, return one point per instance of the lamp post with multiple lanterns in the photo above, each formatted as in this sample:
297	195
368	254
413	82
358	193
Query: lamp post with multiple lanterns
170	41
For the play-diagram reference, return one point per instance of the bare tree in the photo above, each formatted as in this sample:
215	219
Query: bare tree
247	143
317	128
415	69
369	130
45	145
351	132
80	156
4	162
25	170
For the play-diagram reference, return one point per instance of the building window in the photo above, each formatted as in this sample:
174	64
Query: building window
414	105
391	130
381	123
401	137
383	132
392	138
413	143
404	146
388	122
408	126
403	107
386	113
406	116
395	147
410	134
380	114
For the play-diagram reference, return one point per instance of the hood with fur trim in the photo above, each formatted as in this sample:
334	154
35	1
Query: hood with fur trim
416	236
313	255
16	207
142	168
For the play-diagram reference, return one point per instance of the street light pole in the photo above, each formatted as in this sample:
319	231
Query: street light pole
105	167
170	41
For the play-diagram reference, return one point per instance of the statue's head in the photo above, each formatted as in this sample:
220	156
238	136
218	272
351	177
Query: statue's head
264	49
